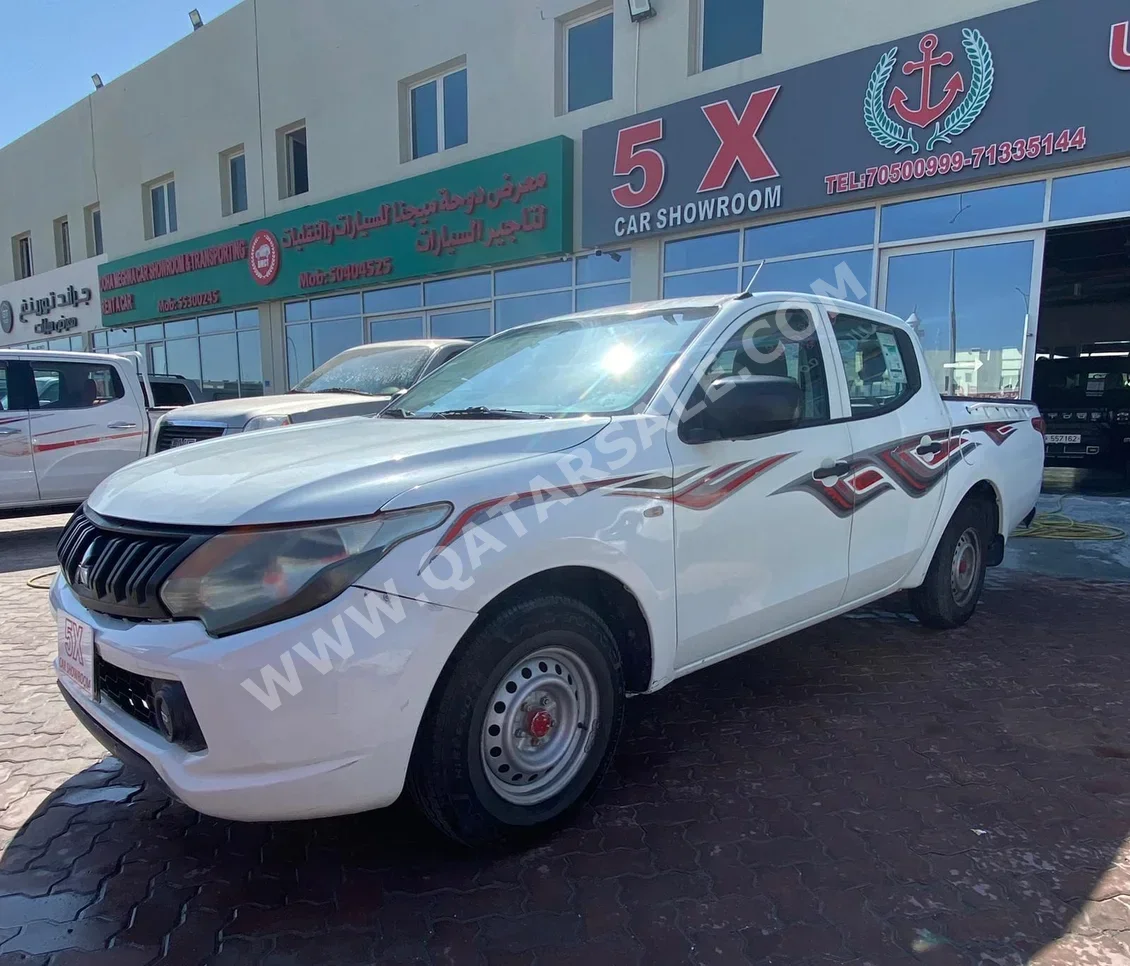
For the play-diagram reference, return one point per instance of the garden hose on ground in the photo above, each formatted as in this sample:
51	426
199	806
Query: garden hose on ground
1058	526
37	582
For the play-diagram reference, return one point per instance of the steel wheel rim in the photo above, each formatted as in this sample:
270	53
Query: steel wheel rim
965	567
539	726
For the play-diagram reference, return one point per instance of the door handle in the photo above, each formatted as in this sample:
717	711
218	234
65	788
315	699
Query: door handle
121	425
930	448
833	470
11	432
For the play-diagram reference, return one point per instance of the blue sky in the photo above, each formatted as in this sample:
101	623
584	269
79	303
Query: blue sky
51	47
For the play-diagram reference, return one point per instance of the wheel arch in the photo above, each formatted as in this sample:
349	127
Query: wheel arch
604	593
983	490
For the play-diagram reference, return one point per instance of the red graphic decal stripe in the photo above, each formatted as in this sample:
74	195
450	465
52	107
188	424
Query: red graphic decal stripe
67	444
724	482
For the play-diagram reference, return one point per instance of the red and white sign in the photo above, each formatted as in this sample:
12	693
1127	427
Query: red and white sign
1120	45
264	257
76	654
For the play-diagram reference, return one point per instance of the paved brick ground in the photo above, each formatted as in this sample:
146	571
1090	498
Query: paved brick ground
863	793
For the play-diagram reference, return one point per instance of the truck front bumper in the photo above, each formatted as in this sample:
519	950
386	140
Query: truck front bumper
309	717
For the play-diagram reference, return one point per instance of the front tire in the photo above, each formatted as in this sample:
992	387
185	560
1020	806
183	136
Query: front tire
522	724
949	595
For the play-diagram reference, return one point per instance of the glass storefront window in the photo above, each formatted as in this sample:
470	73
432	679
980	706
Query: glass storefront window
849	229
704	252
219	365
333	337
603	296
250	362
182	358
297	311
957	214
224	322
1089	195
531	308
971	310
394	299
299	354
846	276
119	337
605	267
174	330
394	330
467	288
335	306
247	319
718	282
469	324
533	278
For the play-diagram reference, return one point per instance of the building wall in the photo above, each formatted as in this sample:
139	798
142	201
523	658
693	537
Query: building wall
338	65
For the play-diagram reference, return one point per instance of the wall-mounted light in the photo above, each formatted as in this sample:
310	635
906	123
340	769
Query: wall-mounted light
97	78
197	21
640	10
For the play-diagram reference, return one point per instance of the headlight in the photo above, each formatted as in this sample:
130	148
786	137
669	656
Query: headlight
265	422
249	577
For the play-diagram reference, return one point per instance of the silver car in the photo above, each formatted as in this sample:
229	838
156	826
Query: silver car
354	383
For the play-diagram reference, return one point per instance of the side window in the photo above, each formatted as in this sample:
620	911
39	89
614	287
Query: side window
5	405
879	362
75	385
778	344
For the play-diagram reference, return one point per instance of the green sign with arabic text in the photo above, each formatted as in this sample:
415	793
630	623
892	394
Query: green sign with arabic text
504	208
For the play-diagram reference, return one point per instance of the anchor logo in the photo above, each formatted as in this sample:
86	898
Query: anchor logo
927	113
951	116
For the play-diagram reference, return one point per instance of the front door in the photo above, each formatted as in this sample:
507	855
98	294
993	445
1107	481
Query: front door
85	427
756	551
17	474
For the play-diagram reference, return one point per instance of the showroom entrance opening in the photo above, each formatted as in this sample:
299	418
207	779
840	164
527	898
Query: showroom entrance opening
1082	371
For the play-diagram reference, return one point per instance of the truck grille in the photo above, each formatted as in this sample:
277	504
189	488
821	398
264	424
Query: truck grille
172	435
117	568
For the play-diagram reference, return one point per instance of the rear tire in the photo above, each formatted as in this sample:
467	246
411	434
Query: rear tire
521	726
949	595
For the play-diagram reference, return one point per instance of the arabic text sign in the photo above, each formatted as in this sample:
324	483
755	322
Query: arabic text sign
1016	92
502	208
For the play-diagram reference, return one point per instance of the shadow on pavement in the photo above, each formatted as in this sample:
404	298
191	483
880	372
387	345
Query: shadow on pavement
862	792
29	549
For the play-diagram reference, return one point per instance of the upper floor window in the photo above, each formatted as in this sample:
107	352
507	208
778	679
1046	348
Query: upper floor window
588	61
233	181
21	256
62	242
729	30
438	113
94	231
163	207
296	169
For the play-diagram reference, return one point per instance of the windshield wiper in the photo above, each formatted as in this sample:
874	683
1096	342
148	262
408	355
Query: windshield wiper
485	412
349	392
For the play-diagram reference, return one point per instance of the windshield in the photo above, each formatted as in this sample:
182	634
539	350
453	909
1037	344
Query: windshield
599	364
376	371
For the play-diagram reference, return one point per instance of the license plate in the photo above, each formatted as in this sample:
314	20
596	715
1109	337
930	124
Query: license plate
76	653
1063	438
180	441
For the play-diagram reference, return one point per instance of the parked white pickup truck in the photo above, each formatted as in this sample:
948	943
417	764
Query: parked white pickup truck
70	419
456	596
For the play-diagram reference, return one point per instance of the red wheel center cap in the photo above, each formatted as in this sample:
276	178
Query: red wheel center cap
540	724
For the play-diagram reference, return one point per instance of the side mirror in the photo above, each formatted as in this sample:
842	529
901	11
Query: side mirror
738	407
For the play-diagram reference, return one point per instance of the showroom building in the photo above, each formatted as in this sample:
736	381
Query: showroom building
259	214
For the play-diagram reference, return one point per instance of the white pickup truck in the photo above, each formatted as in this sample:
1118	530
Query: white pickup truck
456	596
70	419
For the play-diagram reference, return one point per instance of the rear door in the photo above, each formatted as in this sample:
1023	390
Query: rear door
901	451
86	424
17	472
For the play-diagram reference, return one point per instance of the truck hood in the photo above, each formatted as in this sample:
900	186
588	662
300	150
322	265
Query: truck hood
320	471
236	412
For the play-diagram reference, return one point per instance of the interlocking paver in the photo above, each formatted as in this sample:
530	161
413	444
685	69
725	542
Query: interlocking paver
863	793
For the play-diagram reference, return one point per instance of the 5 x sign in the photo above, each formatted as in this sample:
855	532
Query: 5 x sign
640	160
